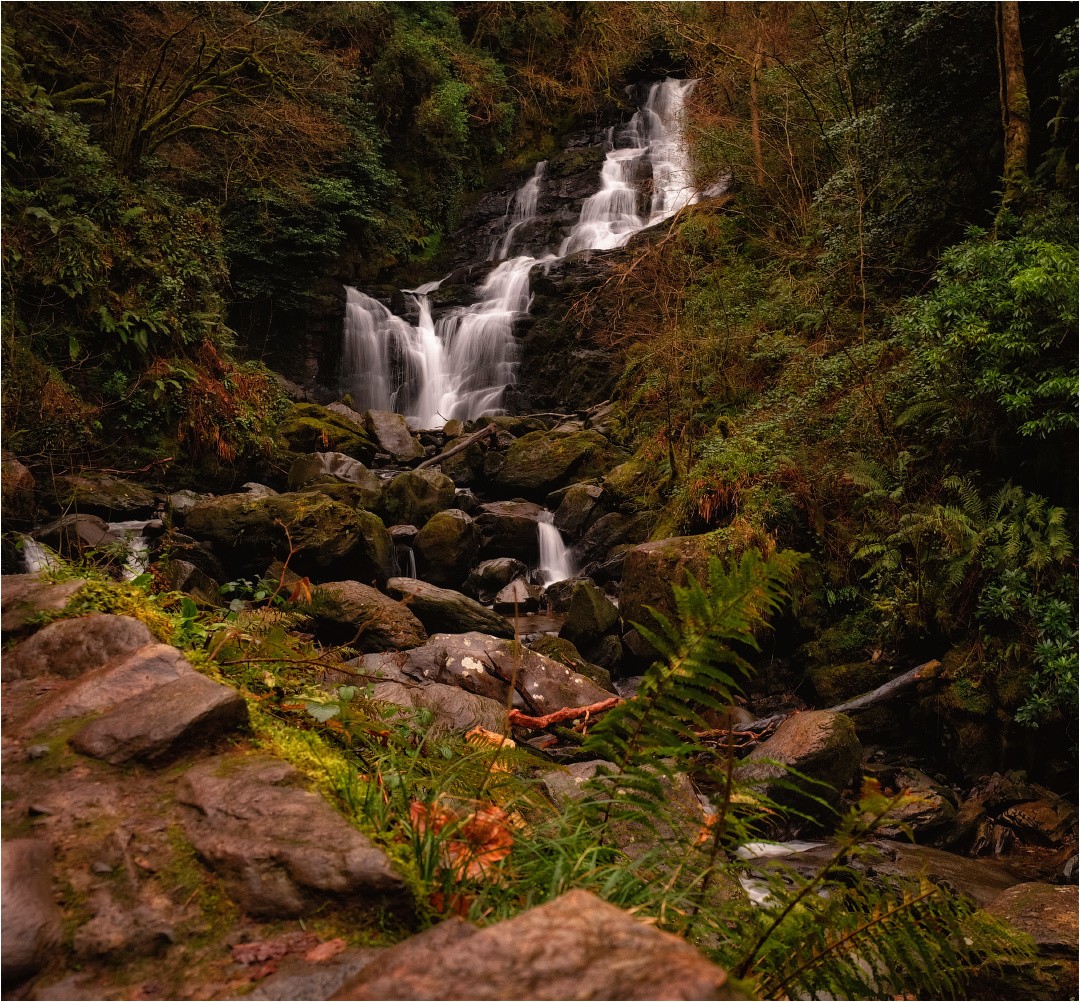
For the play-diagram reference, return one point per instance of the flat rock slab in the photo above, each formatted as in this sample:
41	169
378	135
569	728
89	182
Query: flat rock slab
443	610
1047	913
71	647
23	596
297	979
155	726
104	688
576	947
31	920
280	849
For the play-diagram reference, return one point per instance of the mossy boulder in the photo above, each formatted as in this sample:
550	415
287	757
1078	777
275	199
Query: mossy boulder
446	547
577	508
630	483
101	494
249	531
650	569
543	461
834	684
591	615
391	435
562	650
466	468
16	488
366	619
311	428
508	529
411	498
488	578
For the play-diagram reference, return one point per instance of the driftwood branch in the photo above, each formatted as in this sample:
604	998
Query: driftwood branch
519	719
461	446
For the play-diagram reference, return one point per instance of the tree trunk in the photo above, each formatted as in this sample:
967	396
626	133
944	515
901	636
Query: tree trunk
1016	110
755	109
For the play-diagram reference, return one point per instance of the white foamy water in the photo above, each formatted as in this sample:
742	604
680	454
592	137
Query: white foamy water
459	365
555	563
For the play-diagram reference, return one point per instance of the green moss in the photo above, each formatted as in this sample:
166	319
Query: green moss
313	428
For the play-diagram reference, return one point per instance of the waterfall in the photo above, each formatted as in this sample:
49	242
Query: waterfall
555	564
653	136
460	364
36	556
523	206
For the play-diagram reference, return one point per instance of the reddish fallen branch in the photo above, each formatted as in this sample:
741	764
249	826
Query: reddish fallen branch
519	719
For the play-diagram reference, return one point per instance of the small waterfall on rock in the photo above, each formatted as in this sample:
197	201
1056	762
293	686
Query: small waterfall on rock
555	564
36	556
522	209
610	217
459	365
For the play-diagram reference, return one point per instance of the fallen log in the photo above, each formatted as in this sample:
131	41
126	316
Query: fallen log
927	670
461	446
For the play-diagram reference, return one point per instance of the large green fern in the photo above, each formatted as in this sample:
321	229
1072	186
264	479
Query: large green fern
650	736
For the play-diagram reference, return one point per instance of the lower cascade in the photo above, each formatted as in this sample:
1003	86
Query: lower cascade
555	562
459	365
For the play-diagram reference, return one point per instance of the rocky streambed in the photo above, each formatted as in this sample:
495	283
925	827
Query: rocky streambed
149	837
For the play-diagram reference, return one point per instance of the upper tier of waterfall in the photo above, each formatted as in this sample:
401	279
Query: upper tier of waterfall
460	364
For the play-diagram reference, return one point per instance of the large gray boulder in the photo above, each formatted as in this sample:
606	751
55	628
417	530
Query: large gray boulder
71	647
280	849
332	467
355	613
444	611
446	547
576	947
488	578
508	529
32	921
451	708
411	498
391	435
820	745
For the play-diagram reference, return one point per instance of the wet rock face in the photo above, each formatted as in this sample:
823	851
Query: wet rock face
333	467
488	578
1048	914
310	428
391	435
650	570
508	529
590	616
280	849
577	946
32	922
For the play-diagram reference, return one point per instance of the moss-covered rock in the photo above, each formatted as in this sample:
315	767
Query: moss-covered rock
391	435
354	613
543	461
591	615
577	508
630	483
508	529
249	531
446	547
311	428
562	650
466	468
650	569
101	494
333	468
411	498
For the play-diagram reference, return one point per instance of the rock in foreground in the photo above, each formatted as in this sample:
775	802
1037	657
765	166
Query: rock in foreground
576	947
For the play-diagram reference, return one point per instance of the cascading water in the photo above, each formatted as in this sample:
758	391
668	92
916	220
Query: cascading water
555	563
610	217
459	365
